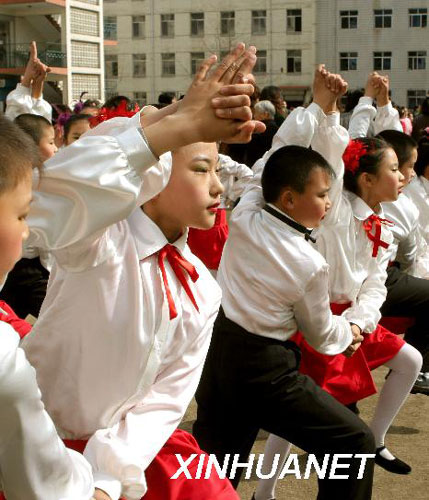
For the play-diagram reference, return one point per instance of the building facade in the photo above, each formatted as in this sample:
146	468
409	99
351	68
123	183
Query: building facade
155	46
69	36
355	37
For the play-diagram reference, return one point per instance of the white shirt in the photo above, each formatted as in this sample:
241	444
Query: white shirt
354	275
19	101
34	463
234	176
273	282
111	365
367	119
405	216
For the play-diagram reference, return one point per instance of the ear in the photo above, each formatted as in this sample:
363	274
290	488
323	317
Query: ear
366	180
286	200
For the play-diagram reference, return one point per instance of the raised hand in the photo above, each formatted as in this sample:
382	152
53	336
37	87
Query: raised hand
372	87
327	87
30	68
383	95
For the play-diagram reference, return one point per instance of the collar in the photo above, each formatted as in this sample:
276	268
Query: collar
148	237
360	209
278	214
425	183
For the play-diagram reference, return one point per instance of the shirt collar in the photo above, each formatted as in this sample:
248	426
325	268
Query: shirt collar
148	237
425	183
360	209
272	217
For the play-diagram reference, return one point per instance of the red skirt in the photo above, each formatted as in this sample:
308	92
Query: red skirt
349	379
207	244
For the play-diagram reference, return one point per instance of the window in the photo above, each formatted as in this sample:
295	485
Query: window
382	60
417	59
418	18
110	28
348	19
261	62
167	25
293	20
138	26
168	67
139	65
259	22
383	18
227	23
348	61
415	97
293	61
196	59
197	24
111	65
141	98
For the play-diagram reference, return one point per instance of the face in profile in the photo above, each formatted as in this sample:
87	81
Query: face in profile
77	129
47	146
388	181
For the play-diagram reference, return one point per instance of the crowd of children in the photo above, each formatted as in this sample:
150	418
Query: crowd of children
113	241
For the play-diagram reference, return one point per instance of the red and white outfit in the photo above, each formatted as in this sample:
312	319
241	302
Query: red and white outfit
119	344
207	244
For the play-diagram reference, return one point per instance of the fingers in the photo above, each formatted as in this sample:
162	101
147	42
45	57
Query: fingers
33	51
230	64
204	68
246	66
242	113
231	102
237	89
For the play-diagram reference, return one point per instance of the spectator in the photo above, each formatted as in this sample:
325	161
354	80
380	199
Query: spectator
421	121
273	94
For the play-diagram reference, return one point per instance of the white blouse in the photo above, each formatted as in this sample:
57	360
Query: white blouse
19	101
273	282
234	176
34	463
112	366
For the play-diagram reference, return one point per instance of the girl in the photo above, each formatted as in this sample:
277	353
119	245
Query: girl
353	239
129	310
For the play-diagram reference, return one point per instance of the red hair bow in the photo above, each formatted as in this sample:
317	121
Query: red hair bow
108	113
353	153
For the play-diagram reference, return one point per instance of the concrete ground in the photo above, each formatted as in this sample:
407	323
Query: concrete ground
408	438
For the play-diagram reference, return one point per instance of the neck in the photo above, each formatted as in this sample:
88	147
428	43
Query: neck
169	228
373	203
290	215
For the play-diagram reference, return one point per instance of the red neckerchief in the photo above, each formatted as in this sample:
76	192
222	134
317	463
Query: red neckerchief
374	221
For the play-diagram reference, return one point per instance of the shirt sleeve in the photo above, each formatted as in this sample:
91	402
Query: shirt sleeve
362	117
19	101
34	463
240	174
387	118
94	183
325	332
330	140
124	451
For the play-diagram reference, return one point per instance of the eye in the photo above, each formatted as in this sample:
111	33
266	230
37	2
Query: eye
201	169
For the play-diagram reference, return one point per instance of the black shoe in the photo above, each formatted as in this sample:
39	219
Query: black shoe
354	408
421	385
396	466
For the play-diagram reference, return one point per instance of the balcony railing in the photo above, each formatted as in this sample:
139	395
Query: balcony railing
14	55
110	31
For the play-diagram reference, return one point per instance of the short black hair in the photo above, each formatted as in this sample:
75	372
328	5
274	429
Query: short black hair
270	93
290	166
33	125
18	155
368	162
352	99
73	119
422	155
166	98
400	142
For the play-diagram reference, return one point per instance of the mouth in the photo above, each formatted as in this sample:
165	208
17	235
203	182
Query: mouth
213	208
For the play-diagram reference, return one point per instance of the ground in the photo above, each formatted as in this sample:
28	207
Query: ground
408	438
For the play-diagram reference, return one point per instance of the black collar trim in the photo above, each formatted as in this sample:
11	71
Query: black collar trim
302	229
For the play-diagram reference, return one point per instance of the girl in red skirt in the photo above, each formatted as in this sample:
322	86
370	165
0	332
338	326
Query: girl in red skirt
353	238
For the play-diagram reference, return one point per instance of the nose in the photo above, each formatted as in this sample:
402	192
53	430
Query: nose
328	203
216	187
25	232
401	177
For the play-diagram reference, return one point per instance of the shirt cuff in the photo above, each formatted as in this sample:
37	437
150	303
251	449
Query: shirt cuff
317	111
22	89
333	119
108	484
365	100
138	152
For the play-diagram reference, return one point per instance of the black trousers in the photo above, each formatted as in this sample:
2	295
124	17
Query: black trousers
25	287
409	297
251	382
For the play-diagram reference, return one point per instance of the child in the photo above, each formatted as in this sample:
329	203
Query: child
124	330
34	463
25	288
273	282
208	245
75	126
353	238
28	95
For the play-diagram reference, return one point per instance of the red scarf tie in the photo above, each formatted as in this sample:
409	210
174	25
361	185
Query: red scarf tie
368	225
178	264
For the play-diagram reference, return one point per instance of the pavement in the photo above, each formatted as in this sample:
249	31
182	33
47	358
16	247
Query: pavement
408	438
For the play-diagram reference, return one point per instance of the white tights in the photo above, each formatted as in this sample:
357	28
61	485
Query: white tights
405	368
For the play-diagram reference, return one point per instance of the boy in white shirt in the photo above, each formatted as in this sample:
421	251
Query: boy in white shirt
273	284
